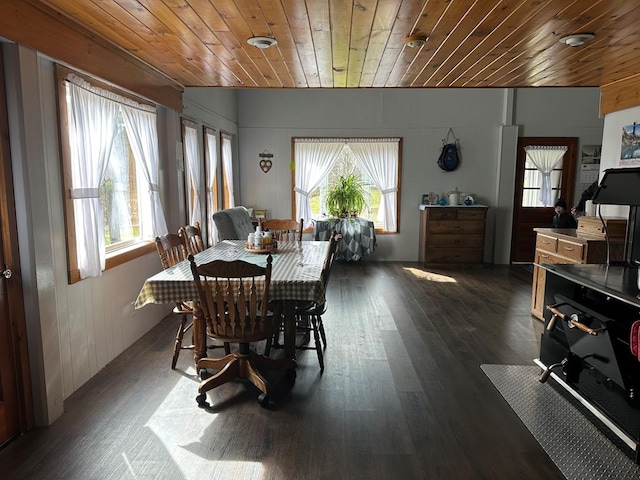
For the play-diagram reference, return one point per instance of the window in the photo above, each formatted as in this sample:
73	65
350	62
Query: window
110	175
533	184
345	165
192	171
228	198
374	161
119	194
211	190
542	175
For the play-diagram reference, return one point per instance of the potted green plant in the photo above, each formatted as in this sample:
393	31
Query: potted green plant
346	196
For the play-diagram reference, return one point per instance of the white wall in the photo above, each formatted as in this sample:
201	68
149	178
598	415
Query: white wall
611	145
267	120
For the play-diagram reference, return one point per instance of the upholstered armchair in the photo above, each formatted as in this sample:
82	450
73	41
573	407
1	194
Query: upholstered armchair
233	223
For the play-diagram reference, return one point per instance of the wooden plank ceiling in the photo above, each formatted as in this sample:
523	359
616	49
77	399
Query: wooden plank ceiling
361	43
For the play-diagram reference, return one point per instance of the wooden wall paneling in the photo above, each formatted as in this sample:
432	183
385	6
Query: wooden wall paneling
281	27
321	33
512	40
361	29
585	64
258	24
296	14
199	38
53	35
381	29
445	52
339	43
620	95
408	58
340	12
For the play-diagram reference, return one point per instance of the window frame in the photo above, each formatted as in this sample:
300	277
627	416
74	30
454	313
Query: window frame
114	258
346	140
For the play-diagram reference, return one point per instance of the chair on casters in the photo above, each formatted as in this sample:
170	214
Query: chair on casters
234	302
171	250
284	230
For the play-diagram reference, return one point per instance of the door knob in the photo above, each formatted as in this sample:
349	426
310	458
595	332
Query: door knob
7	273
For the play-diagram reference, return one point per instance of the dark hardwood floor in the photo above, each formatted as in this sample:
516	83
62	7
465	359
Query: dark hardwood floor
402	395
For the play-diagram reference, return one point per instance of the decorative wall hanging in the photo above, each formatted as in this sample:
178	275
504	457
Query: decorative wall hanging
449	158
265	161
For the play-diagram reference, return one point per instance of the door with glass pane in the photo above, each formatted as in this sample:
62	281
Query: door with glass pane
531	208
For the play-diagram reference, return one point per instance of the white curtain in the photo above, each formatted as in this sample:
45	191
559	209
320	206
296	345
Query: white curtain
92	125
379	160
212	166
227	168
140	124
193	165
313	162
545	158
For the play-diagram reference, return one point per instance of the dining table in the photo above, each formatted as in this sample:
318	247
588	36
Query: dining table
358	236
295	277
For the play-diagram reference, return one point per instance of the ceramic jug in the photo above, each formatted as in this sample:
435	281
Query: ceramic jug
454	197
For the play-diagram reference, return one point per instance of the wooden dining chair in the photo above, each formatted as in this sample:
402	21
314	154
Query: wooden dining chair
284	229
309	314
192	238
234	301
172	249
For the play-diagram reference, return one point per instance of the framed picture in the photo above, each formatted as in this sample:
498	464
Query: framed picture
425	199
630	145
260	214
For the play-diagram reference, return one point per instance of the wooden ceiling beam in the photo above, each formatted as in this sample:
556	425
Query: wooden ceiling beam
620	95
57	37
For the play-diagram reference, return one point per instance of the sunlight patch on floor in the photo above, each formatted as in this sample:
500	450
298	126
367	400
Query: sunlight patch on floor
188	453
432	277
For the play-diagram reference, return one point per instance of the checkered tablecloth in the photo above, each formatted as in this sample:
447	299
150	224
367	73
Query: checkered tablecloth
358	236
295	274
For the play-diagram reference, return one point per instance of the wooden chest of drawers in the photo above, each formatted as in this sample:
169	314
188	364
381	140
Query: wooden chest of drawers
452	234
555	245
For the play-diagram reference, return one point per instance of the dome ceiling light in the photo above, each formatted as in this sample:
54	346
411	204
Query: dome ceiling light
415	40
262	42
577	39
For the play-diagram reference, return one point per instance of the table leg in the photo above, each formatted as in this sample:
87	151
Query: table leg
288	307
199	336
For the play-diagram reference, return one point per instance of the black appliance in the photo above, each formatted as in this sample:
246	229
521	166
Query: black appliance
586	342
621	186
590	312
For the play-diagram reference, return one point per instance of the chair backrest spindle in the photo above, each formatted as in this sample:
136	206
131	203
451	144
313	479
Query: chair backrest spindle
235	298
